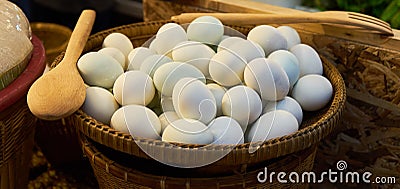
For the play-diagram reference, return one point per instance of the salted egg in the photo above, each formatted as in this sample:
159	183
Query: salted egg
188	131
194	53
226	131
153	62
268	37
271	125
248	50
167	118
193	100
166	103
99	111
167	75
134	87
288	62
290	34
116	54
98	69
140	121
168	36
119	41
309	60
313	92
218	92
289	104
137	56
205	29
226	68
267	78
227	42
243	104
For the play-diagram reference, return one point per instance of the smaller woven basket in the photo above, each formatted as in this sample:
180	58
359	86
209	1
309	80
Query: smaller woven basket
55	38
316	125
114	169
17	124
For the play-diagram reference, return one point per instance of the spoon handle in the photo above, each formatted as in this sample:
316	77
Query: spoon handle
79	37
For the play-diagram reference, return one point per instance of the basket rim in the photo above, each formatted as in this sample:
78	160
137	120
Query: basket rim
20	86
59	29
313	133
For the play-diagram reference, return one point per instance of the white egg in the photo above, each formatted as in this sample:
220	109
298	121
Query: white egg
116	54
288	62
268	38
312	92
99	69
309	60
248	50
205	29
153	44
140	121
267	78
167	104
167	75
242	104
226	131
194	53
100	111
152	63
289	104
226	68
166	118
223	37
137	56
188	131
134	87
290	34
218	92
118	121
271	125
168	36
225	43
193	100
119	41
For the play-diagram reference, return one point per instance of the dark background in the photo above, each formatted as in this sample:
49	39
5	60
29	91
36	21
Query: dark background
109	13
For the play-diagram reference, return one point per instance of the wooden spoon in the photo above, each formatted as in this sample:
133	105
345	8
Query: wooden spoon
61	91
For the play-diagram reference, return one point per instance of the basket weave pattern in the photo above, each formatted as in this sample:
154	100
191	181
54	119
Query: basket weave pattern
17	126
111	174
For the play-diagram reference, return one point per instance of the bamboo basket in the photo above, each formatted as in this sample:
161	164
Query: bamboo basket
315	127
114	169
55	38
17	124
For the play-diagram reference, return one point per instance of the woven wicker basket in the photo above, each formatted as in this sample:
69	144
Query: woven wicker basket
316	125
54	36
17	124
114	169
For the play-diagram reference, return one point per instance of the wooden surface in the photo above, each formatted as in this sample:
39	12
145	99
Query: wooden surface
162	10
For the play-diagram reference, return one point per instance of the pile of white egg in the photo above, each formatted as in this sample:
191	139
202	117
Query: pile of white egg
247	89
